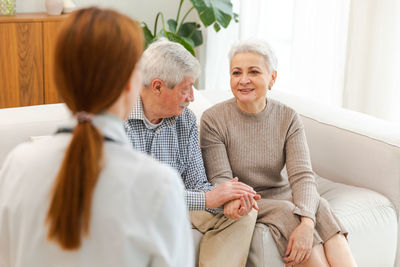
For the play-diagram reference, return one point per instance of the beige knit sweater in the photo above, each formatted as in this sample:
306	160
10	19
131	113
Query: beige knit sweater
256	147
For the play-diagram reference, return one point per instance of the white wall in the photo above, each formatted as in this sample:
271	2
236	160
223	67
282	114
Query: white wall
141	10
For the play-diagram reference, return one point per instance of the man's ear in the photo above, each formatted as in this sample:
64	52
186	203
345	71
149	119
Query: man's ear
156	86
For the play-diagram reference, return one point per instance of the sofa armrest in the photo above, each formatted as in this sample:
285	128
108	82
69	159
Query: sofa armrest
354	158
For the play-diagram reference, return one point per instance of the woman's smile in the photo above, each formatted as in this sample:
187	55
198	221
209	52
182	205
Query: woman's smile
246	91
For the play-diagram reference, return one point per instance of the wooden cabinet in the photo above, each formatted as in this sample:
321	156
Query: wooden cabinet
26	59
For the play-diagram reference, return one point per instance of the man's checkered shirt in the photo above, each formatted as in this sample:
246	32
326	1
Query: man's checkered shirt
174	142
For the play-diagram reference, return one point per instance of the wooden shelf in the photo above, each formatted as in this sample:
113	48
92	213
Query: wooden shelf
31	17
26	51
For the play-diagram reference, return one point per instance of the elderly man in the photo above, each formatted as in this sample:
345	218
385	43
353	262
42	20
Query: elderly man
162	126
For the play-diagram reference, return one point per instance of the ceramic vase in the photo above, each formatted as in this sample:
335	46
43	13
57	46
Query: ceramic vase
69	6
54	7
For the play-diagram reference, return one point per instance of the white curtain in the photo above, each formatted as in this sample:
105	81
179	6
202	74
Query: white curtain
372	82
339	52
216	66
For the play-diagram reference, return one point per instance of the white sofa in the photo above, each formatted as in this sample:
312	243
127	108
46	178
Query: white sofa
359	155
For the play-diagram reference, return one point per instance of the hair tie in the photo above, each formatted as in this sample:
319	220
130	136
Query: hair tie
84	116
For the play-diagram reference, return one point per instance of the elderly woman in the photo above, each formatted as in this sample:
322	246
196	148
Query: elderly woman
253	137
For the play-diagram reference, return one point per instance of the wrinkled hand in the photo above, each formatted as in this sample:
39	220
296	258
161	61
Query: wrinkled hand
227	191
248	203
231	209
300	243
240	207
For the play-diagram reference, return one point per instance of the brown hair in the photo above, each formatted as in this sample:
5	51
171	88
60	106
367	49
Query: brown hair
95	55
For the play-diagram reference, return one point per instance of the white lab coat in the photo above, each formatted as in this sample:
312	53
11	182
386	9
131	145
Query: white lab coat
138	214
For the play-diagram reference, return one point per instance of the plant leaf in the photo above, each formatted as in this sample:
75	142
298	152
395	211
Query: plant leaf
148	36
189	31
214	11
197	37
172	25
236	17
217	27
173	37
188	40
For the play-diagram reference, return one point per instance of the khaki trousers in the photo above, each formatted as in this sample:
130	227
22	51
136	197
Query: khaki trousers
226	242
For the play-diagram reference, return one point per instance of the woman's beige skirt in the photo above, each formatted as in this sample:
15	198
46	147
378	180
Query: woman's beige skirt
278	215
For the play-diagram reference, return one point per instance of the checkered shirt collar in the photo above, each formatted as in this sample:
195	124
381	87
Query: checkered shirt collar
138	114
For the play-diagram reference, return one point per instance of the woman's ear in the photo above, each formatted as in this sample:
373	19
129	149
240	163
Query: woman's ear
273	79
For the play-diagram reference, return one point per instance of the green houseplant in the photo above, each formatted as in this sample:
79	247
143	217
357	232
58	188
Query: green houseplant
7	7
211	12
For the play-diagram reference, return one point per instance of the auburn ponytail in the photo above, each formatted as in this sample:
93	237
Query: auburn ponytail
95	55
69	212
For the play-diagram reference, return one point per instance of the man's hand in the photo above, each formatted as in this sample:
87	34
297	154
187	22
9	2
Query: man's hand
237	208
300	243
227	191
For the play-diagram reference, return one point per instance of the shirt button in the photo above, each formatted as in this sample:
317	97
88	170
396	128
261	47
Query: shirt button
152	154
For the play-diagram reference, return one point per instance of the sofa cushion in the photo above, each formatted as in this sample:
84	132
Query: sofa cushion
263	251
368	216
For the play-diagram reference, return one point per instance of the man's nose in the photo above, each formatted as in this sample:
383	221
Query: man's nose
190	97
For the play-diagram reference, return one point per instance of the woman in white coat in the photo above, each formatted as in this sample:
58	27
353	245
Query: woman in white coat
84	197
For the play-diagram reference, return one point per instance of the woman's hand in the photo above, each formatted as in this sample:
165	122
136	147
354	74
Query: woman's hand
247	203
300	243
240	207
231	209
227	191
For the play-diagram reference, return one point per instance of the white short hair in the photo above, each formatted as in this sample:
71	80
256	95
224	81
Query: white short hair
169	62
255	46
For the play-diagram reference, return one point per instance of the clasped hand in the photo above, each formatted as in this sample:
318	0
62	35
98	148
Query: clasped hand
224	193
236	208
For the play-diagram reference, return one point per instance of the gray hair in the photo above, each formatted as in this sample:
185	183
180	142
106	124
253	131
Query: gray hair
169	62
255	46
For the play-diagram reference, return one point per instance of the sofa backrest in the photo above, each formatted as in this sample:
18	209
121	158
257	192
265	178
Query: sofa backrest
18	125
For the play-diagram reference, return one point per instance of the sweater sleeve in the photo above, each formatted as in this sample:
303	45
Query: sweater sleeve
298	165
213	149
